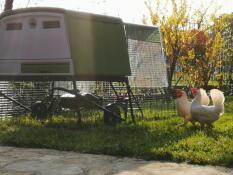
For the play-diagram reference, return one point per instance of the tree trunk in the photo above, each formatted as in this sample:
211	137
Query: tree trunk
206	85
171	73
8	5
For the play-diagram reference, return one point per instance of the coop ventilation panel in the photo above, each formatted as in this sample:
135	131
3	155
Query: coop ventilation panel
147	61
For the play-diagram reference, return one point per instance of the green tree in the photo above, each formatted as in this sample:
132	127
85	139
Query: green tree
202	57
227	33
171	28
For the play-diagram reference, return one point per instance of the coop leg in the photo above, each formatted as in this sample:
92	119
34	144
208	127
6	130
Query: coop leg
79	116
126	110
124	106
51	98
136	101
75	88
130	100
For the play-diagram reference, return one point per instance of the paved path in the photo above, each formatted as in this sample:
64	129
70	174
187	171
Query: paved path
20	161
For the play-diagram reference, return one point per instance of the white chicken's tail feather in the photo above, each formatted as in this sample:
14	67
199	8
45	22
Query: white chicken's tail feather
218	100
204	97
217	97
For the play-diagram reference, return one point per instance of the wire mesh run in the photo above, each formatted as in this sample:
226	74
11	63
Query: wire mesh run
147	62
25	93
148	67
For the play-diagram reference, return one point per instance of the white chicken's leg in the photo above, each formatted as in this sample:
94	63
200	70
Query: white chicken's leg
182	124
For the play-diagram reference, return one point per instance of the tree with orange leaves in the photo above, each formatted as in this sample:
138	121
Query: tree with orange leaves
171	28
202	57
191	44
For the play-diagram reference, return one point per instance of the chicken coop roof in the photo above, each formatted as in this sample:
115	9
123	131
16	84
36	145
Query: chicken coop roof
143	32
84	15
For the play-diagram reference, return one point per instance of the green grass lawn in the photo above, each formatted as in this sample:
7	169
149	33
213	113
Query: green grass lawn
153	138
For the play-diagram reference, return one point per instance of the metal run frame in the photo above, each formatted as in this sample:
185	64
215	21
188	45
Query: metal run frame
124	102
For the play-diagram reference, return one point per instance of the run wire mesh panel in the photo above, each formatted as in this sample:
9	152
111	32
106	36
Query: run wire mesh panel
147	62
148	68
25	93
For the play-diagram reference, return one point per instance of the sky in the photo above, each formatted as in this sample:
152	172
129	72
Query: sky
129	10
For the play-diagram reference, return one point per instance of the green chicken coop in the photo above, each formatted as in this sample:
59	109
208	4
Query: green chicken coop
57	44
93	53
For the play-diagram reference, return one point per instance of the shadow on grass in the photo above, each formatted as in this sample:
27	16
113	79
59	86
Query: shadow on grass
150	140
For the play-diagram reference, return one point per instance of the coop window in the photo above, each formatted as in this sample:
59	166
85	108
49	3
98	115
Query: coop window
51	24
14	26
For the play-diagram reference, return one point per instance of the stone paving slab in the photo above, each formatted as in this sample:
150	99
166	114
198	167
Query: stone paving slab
22	161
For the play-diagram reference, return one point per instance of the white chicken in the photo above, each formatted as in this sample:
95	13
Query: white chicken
183	106
201	112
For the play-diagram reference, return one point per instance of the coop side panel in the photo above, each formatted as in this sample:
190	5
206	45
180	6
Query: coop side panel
98	45
147	61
